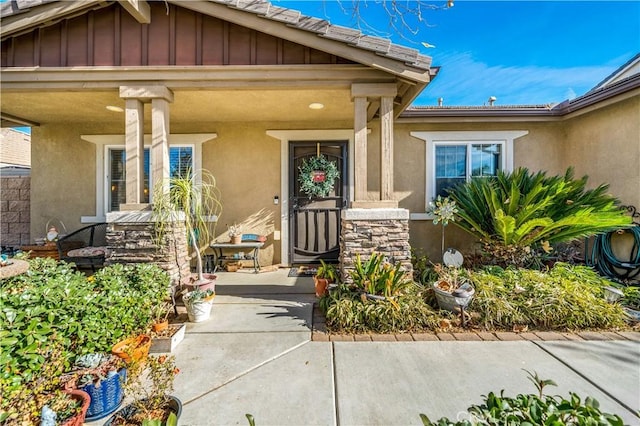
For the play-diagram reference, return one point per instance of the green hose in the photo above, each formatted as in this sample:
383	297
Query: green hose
603	258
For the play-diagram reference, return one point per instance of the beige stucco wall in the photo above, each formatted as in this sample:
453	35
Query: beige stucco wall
246	162
605	145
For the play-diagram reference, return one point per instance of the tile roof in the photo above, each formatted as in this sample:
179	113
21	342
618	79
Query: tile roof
293	18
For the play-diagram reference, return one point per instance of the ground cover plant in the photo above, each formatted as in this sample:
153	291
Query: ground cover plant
566	297
533	409
515	214
52	305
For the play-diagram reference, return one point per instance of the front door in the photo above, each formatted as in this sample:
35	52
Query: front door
315	220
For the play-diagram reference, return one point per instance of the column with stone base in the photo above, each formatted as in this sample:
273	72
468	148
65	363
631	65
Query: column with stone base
367	231
131	239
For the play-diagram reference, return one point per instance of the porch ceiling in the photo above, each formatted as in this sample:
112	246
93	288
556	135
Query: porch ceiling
190	106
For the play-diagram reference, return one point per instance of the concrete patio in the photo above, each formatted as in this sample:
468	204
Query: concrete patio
256	355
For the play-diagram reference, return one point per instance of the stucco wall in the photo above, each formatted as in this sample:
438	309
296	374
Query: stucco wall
605	145
246	163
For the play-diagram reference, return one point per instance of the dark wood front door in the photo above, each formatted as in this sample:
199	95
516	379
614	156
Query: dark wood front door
315	222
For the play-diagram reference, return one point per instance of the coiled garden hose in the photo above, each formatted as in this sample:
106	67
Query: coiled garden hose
603	258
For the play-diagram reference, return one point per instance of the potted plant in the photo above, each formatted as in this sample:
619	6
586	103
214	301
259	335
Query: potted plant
235	233
160	314
133	349
452	287
198	197
198	303
149	385
325	275
100	375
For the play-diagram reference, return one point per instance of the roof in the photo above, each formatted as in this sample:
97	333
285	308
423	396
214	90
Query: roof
629	68
624	88
263	8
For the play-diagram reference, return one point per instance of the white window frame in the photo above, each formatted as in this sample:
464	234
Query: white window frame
105	142
504	138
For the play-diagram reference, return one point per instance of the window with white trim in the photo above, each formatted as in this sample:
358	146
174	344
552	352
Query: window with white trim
454	157
457	162
180	161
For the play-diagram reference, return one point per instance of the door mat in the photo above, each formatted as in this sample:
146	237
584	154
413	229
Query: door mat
303	271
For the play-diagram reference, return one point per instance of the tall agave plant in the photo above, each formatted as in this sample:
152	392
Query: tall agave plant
522	210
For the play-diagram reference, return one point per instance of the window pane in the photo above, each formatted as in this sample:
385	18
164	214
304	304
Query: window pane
180	161
451	166
117	193
485	159
118	181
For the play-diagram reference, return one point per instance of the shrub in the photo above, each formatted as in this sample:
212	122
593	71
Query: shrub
532	409
513	213
52	302
566	297
351	312
379	277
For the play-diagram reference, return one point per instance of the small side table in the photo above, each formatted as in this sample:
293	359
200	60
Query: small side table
47	250
219	259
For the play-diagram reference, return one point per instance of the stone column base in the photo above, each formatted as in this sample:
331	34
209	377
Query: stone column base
131	239
367	231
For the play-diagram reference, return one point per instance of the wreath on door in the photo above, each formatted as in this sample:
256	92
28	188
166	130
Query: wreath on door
317	176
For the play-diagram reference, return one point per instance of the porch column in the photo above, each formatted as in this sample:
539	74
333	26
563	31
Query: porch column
360	148
367	98
134	148
386	148
160	143
136	96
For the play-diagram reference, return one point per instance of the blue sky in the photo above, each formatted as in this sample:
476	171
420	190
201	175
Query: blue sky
521	52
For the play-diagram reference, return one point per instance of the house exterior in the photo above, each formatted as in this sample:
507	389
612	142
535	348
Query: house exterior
123	94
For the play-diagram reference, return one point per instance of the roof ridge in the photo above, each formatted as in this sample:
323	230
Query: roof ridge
324	28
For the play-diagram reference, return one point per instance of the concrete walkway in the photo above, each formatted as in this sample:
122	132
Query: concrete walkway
255	355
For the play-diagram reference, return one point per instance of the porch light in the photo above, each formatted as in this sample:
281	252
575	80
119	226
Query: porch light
316	105
114	108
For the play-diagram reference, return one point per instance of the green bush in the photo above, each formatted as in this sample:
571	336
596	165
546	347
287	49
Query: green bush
532	409
53	303
564	298
515	213
350	311
377	276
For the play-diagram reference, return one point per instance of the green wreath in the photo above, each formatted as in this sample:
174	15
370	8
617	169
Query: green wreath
317	176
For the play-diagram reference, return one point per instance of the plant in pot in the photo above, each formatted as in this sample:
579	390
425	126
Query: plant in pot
452	287
198	303
160	314
198	197
235	233
101	376
133	349
42	400
325	274
149	385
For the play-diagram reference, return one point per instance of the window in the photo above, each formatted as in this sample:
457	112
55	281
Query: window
453	157
456	162
180	161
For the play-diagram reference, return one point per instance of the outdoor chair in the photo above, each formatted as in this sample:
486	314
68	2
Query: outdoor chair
86	247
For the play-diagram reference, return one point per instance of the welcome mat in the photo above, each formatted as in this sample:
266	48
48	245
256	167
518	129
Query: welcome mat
303	271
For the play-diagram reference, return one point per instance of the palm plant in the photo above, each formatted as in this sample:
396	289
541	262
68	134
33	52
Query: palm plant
197	195
514	212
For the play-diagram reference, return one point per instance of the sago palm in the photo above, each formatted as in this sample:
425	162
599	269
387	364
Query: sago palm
524	209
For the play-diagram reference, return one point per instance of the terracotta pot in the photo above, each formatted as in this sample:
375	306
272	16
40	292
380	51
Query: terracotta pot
192	282
321	284
236	239
78	419
160	326
133	349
